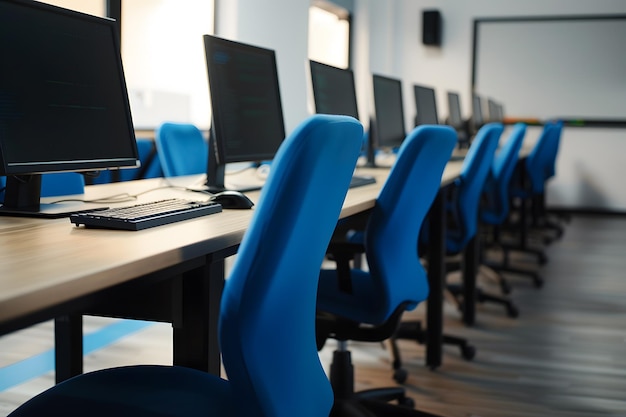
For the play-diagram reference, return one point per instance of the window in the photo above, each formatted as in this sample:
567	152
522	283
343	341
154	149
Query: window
329	34
164	63
93	7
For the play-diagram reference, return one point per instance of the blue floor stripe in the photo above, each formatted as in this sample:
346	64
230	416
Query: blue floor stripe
42	363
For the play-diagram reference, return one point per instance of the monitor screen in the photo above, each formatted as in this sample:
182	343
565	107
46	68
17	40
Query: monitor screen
333	90
454	110
388	111
426	105
63	97
496	111
477	111
248	123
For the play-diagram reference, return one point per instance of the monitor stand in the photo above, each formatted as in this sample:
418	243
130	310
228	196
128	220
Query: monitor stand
22	199
371	146
216	173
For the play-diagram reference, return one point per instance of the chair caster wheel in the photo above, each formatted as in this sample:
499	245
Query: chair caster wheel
538	282
512	311
543	259
468	352
400	375
406	402
505	287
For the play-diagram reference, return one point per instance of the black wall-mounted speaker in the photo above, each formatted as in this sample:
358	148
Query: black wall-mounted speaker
431	27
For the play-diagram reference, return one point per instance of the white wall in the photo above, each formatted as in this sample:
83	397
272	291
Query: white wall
588	175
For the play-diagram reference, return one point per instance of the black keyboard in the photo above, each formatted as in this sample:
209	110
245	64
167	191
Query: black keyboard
145	215
358	181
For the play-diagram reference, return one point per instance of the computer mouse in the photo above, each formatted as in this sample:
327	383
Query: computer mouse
230	199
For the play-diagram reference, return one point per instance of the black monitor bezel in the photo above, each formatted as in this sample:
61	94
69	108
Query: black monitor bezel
314	66
22	196
416	91
222	156
454	107
39	167
383	143
494	111
477	111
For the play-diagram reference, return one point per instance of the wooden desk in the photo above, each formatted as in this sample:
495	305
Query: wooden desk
172	273
49	269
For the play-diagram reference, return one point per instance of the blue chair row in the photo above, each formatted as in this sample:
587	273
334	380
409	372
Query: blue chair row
270	285
527	191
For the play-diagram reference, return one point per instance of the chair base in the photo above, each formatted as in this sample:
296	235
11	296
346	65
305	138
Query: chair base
377	402
481	296
412	330
505	267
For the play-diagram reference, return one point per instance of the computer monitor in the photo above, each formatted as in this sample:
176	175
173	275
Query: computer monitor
248	123
426	105
494	110
63	101
477	112
387	130
333	90
455	119
454	110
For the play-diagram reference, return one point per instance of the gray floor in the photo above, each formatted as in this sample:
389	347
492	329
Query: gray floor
564	355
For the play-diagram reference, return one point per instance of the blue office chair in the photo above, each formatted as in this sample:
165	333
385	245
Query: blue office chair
495	205
354	304
462	227
464	210
540	217
150	162
272	286
182	149
527	190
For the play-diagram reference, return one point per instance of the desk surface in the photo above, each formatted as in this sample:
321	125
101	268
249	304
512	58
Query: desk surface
44	262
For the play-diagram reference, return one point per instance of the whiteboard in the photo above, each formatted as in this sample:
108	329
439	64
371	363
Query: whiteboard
572	67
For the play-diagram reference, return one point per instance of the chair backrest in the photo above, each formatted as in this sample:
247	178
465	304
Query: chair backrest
541	162
182	149
469	186
62	183
392	231
495	207
150	163
267	320
554	149
3	184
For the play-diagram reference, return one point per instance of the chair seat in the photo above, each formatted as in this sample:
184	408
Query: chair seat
138	391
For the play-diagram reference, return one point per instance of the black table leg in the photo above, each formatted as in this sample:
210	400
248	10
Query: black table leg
436	281
470	267
196	317
68	352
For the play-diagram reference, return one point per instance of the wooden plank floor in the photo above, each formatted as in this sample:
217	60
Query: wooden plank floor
564	355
